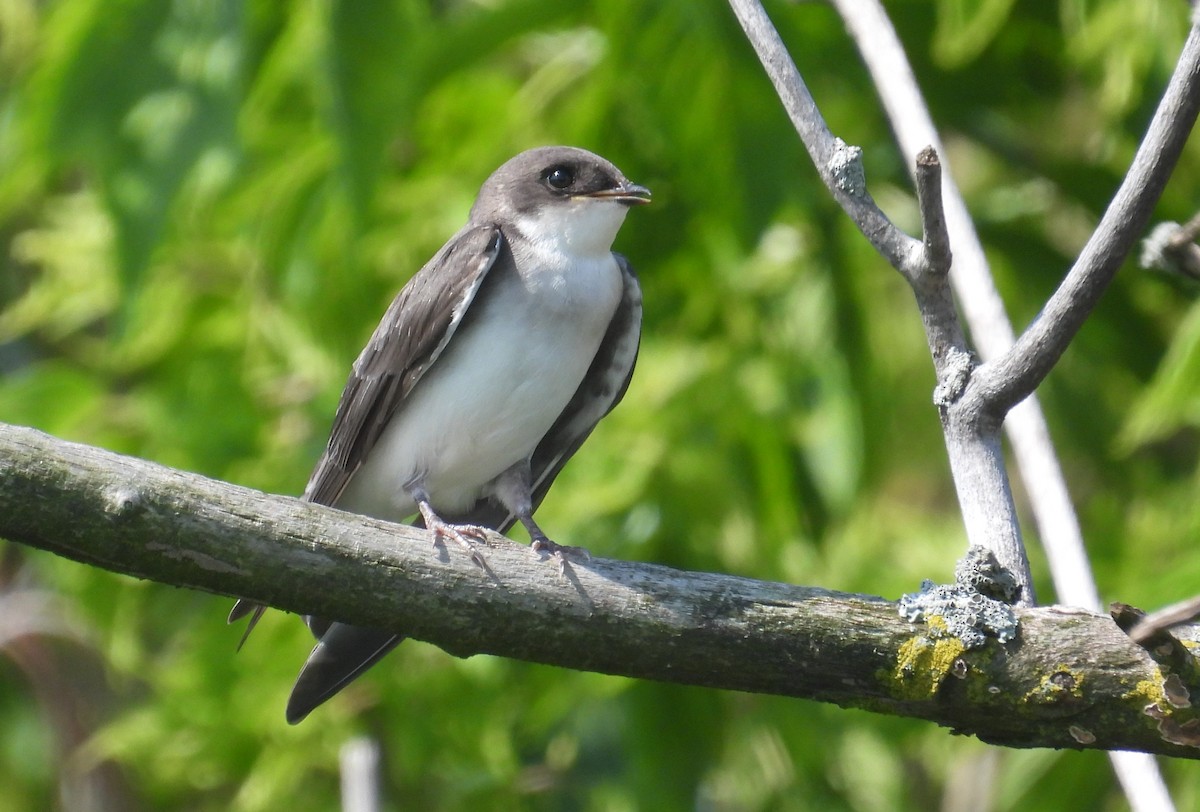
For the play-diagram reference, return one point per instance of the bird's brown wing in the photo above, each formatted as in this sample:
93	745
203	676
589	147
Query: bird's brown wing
416	328
412	334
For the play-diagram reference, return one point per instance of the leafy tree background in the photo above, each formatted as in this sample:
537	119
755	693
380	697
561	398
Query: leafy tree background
206	206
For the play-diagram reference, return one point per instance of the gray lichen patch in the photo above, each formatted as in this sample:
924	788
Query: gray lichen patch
974	607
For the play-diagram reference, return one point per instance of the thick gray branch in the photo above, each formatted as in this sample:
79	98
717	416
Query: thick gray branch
1068	680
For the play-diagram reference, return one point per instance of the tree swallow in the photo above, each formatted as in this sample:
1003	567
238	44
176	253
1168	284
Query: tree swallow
487	372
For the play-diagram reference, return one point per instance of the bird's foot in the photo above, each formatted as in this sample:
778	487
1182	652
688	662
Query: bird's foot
559	552
468	536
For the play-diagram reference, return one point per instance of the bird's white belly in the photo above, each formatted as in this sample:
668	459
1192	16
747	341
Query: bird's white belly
498	387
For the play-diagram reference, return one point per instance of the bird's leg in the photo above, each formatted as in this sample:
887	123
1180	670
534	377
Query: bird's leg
513	489
464	534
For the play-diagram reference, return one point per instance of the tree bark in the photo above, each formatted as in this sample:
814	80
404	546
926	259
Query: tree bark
1069	679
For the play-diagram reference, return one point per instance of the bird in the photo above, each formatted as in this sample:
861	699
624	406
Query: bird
485	375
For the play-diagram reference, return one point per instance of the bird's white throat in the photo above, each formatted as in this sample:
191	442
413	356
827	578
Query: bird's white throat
582	227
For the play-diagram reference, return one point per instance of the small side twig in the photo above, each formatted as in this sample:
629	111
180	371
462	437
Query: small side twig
1164	619
1187	233
933	215
1172	247
953	360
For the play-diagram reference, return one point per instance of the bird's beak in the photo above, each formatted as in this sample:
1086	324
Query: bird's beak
631	194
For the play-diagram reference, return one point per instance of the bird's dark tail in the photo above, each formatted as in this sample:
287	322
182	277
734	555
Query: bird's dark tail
340	656
242	608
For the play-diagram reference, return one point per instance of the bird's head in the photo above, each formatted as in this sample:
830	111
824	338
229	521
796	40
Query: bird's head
562	194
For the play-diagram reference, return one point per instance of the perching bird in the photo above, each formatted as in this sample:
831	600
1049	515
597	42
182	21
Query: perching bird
488	371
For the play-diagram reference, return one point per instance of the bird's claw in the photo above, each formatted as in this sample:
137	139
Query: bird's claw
467	536
559	552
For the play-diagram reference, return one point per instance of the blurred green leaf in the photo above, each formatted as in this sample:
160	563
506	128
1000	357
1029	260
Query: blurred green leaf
966	27
1171	401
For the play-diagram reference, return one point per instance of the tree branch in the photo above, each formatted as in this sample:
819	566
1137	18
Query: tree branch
1172	247
936	238
1025	425
1004	382
839	164
972	435
982	307
1070	679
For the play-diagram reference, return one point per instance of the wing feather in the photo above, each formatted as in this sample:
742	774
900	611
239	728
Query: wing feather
411	336
600	391
409	339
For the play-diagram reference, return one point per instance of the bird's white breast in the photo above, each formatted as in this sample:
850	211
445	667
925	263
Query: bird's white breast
502	381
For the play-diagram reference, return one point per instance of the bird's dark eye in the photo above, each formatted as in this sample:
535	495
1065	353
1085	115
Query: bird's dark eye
559	177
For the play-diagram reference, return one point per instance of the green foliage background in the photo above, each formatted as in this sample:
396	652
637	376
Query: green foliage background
205	205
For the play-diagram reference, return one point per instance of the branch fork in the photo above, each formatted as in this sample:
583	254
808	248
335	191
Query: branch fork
973	400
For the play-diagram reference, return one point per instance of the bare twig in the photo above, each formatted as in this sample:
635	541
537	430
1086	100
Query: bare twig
1187	233
1172	247
982	307
952	358
1015	374
933	215
839	165
1165	618
1006	381
984	310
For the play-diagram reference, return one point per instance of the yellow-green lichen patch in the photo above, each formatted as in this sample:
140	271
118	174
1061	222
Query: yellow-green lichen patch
1062	686
923	663
1149	691
1189	669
